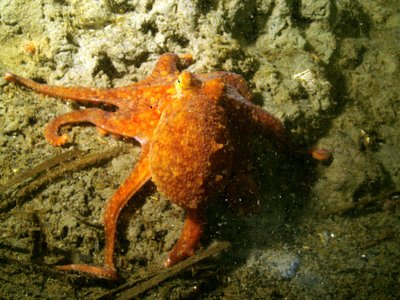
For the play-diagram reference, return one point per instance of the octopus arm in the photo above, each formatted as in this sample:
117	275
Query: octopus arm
80	94
253	116
139	176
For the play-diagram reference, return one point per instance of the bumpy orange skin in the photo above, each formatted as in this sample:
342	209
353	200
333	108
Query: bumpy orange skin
191	152
191	129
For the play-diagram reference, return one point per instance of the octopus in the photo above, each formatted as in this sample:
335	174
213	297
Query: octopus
194	135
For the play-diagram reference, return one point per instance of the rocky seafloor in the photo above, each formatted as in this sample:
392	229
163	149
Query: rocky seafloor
329	70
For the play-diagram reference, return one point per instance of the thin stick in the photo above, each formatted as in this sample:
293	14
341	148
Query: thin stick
168	273
46	165
78	164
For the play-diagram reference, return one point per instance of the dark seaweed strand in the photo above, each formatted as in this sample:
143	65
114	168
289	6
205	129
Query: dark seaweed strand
46	165
78	164
169	272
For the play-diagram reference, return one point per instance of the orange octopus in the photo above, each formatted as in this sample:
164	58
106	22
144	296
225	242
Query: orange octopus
192	129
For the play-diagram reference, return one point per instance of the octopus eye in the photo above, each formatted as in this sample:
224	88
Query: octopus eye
185	80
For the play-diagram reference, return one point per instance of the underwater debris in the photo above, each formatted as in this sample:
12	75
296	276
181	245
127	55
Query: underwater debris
79	163
128	291
36	170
